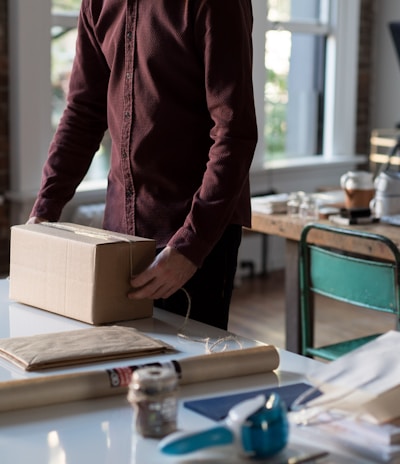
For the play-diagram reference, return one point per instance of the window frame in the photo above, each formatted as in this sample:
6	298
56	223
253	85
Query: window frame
30	92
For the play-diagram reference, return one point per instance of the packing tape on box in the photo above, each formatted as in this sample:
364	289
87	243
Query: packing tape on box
82	230
64	388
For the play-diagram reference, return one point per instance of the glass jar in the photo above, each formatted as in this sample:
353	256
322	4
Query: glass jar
153	393
308	208
294	202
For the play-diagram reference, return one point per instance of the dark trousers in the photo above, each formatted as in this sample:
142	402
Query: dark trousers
211	287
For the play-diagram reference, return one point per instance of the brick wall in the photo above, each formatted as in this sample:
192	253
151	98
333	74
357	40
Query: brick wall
364	76
363	116
4	145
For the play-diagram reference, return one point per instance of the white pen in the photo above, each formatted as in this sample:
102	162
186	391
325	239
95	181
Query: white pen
307	457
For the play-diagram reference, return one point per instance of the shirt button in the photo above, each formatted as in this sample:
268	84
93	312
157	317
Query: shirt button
129	35
124	155
128	75
127	115
129	193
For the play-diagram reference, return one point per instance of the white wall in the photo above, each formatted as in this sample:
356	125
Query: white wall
386	78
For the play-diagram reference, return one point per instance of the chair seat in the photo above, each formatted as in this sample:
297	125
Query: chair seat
332	352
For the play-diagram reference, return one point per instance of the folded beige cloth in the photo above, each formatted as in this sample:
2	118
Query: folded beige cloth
95	344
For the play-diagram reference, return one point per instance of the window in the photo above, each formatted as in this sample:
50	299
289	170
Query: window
305	62
63	38
307	77
295	49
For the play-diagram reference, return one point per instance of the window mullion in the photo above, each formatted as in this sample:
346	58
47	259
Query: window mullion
260	13
30	92
341	80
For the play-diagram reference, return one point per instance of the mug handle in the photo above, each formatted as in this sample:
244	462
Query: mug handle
372	204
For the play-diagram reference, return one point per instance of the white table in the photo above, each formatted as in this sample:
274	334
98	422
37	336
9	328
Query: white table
102	431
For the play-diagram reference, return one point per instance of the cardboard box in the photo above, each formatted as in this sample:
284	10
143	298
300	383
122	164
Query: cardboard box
78	271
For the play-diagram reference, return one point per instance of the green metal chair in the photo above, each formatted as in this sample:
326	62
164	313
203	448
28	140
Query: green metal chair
353	278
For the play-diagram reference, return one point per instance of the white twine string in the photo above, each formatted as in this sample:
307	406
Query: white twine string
211	346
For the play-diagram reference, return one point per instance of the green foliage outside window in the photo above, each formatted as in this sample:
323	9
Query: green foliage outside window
65	5
275	112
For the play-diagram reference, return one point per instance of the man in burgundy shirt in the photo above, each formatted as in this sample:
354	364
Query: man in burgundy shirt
172	81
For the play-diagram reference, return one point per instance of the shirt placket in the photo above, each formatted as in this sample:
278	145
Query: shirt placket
128	114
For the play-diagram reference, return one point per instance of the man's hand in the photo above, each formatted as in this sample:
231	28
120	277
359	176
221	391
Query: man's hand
169	271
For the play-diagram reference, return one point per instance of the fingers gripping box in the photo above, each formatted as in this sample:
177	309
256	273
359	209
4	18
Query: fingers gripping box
78	271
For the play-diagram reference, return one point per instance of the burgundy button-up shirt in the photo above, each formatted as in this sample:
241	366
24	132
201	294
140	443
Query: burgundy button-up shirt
172	81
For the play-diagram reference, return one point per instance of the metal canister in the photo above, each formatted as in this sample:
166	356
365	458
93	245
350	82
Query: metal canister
153	393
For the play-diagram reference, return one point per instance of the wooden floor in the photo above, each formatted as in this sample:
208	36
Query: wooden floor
257	312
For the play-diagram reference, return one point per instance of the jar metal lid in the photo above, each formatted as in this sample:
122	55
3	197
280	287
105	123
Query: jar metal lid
154	379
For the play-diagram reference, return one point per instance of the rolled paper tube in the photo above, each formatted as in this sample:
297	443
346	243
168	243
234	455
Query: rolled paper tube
228	364
64	388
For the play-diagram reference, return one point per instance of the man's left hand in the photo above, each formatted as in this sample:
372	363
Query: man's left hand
169	271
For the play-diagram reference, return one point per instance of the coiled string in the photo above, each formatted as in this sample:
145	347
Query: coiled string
221	344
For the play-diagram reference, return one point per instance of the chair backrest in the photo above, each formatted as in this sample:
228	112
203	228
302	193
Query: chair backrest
356	279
